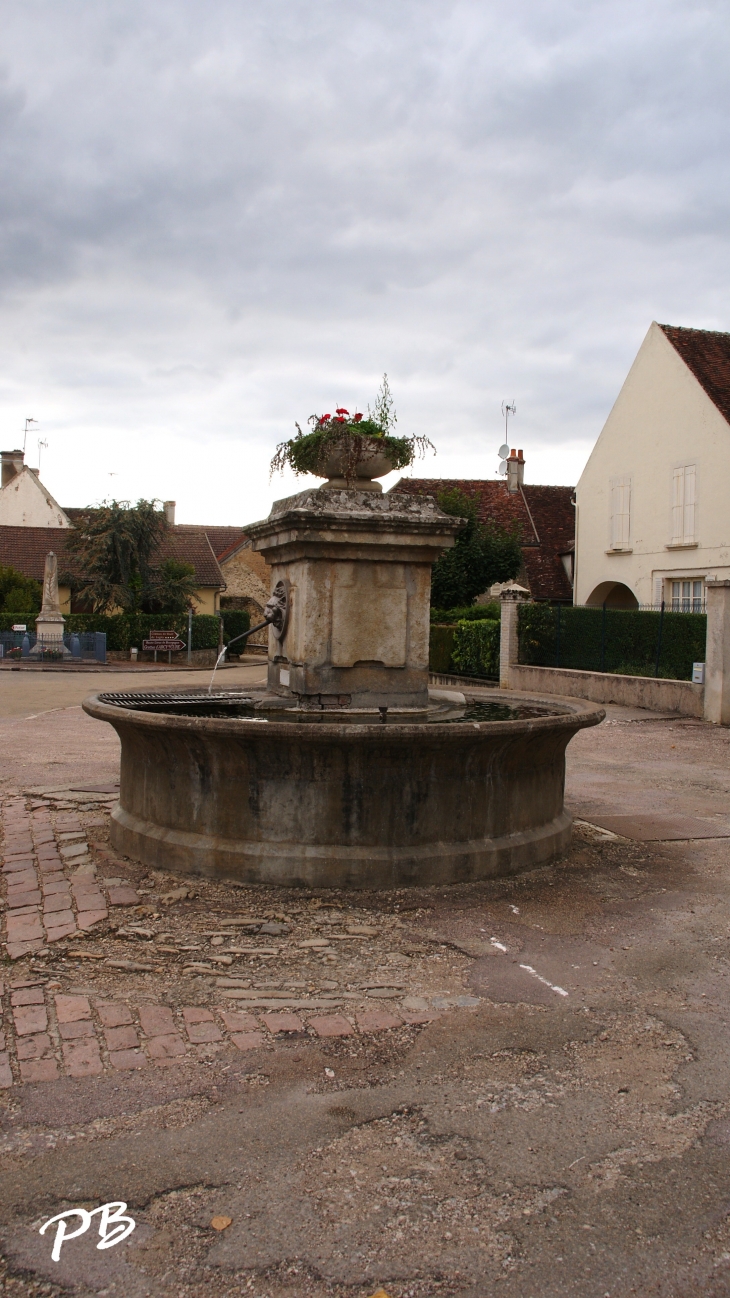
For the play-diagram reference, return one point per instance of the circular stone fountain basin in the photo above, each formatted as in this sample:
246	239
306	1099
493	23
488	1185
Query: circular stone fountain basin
284	798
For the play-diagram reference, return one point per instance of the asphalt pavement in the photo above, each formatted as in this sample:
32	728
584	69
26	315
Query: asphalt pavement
551	1116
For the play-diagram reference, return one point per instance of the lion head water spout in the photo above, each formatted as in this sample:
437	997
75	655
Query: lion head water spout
277	612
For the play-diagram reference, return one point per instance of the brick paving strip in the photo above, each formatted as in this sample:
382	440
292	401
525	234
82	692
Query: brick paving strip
50	893
44	903
49	1034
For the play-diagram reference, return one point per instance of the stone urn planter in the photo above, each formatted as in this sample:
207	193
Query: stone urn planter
373	463
351	450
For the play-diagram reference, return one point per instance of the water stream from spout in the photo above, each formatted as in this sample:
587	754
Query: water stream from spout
225	648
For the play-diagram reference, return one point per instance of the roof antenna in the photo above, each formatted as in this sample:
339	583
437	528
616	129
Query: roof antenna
25	434
508	408
41	445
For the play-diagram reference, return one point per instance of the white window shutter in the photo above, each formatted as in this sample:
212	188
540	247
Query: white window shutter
688	521
677	506
625	510
615	515
620	512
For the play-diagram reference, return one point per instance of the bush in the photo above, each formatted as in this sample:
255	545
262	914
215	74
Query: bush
476	648
125	630
472	613
620	641
19	595
441	643
236	621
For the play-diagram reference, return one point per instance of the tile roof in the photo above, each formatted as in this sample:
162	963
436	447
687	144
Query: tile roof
545	515
25	549
188	546
707	354
222	539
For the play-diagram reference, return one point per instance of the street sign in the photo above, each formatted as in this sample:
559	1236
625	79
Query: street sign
19	626
168	641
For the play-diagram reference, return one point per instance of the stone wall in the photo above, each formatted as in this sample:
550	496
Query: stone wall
654	693
247	578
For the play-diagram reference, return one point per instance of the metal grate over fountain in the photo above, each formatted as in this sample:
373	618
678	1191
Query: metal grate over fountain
138	699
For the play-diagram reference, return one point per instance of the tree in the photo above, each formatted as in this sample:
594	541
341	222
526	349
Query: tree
174	588
18	594
117	549
483	553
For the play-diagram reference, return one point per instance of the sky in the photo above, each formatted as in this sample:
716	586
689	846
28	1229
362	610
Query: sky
218	218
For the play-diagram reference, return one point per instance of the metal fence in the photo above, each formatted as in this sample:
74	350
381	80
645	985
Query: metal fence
84	646
657	641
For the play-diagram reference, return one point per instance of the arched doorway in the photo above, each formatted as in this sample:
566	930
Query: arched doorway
614	594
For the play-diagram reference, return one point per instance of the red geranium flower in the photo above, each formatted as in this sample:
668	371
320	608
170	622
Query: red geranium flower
357	418
339	420
341	410
324	418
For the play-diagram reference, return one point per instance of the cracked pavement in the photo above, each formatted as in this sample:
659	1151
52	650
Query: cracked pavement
556	1122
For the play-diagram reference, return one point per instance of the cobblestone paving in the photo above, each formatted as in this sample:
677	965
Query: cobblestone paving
51	890
176	971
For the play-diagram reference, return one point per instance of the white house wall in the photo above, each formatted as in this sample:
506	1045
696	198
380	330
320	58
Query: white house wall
24	502
662	420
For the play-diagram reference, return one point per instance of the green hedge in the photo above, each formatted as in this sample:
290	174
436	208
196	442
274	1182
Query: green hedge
441	643
472	613
620	641
476	648
126	630
235	622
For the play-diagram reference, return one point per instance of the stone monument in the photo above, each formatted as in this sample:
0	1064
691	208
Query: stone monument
49	625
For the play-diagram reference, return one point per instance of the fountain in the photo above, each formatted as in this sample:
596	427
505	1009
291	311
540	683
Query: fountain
344	770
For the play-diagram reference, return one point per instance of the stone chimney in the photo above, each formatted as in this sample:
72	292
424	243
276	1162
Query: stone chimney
169	508
12	464
515	471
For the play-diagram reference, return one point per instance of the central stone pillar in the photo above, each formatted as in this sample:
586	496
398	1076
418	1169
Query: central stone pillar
357	569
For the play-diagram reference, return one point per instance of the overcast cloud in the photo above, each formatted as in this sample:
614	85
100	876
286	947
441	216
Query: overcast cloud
216	218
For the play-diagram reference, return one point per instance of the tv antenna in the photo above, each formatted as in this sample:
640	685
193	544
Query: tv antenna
28	422
42	445
508	408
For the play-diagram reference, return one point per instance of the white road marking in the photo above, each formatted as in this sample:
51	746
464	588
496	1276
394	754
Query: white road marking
553	987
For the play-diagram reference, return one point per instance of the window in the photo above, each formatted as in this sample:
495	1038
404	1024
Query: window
684	498
620	512
688	596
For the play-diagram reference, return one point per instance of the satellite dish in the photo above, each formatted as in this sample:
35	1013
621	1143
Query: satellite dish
502	467
503	451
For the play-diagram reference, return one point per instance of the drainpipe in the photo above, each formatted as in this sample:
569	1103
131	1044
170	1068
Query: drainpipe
574	503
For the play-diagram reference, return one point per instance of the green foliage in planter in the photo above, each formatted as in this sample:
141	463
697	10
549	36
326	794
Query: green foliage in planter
476	648
630	639
482	554
354	436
